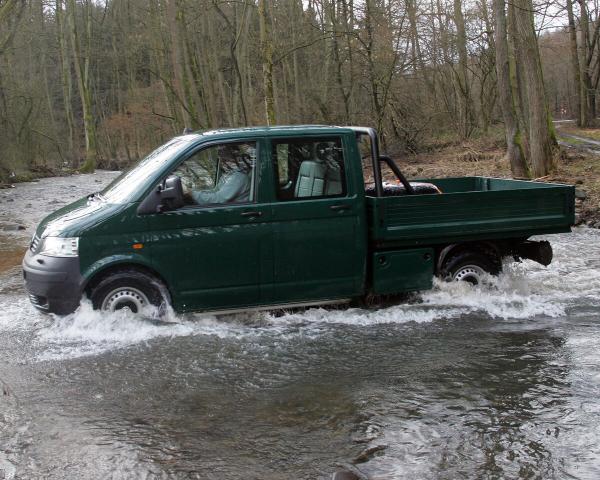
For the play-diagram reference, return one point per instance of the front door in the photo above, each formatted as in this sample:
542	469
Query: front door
318	230
212	251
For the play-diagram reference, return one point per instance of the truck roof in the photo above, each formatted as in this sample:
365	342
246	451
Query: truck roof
279	130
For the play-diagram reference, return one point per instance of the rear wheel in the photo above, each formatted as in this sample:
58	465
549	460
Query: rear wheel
128	289
469	266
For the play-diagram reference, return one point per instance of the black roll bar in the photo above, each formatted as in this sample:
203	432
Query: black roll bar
375	156
409	188
377	159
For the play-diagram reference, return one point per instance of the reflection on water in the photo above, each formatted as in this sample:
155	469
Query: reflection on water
501	381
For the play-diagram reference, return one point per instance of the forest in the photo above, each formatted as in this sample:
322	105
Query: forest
88	84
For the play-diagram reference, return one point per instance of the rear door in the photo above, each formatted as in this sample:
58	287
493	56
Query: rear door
319	237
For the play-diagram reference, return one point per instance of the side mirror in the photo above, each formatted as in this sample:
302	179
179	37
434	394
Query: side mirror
166	196
171	193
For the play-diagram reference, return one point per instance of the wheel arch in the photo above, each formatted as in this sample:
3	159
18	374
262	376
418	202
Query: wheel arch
491	249
98	272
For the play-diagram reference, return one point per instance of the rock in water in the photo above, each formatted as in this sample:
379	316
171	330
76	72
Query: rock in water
344	475
11	227
368	453
580	194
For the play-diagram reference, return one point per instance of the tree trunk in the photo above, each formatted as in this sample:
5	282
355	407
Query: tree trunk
542	142
161	61
177	62
514	148
10	8
585	82
266	43
82	70
369	46
462	76
338	64
575	65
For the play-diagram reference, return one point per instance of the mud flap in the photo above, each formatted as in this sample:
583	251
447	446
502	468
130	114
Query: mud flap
399	271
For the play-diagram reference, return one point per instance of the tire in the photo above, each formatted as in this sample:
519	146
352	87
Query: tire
469	266
129	288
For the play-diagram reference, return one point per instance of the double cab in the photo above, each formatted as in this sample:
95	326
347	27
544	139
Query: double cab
277	217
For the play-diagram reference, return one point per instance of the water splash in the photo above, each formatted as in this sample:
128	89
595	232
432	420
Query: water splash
88	331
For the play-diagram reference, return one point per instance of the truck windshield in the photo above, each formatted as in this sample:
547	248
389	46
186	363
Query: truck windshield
125	187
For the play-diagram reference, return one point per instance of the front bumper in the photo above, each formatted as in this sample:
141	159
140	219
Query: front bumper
54	284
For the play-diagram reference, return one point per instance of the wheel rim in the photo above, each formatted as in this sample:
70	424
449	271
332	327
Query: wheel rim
125	297
469	273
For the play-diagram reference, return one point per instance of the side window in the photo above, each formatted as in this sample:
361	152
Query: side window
309	168
219	174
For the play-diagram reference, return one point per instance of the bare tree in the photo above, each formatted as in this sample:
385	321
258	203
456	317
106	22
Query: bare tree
514	146
81	61
542	142
119	76
267	61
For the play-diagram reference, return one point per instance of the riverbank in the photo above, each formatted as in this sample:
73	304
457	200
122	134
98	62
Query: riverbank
578	165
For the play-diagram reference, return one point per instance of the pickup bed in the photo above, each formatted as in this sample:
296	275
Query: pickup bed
276	217
470	208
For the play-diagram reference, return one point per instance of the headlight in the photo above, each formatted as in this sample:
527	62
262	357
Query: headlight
60	246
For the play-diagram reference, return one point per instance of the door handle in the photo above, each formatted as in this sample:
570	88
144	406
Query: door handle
339	208
251	214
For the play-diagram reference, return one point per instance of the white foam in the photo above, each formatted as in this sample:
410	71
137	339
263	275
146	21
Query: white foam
522	291
7	468
89	332
17	314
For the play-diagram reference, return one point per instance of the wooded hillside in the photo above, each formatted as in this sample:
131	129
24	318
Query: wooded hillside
100	83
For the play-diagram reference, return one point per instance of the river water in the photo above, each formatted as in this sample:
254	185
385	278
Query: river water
498	381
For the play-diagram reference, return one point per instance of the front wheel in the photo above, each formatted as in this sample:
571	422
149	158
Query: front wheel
129	289
469	267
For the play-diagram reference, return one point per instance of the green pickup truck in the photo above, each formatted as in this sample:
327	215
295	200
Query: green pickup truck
280	217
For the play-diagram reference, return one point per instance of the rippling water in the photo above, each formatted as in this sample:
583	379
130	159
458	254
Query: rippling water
501	381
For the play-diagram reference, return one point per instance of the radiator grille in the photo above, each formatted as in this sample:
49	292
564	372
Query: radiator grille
35	244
